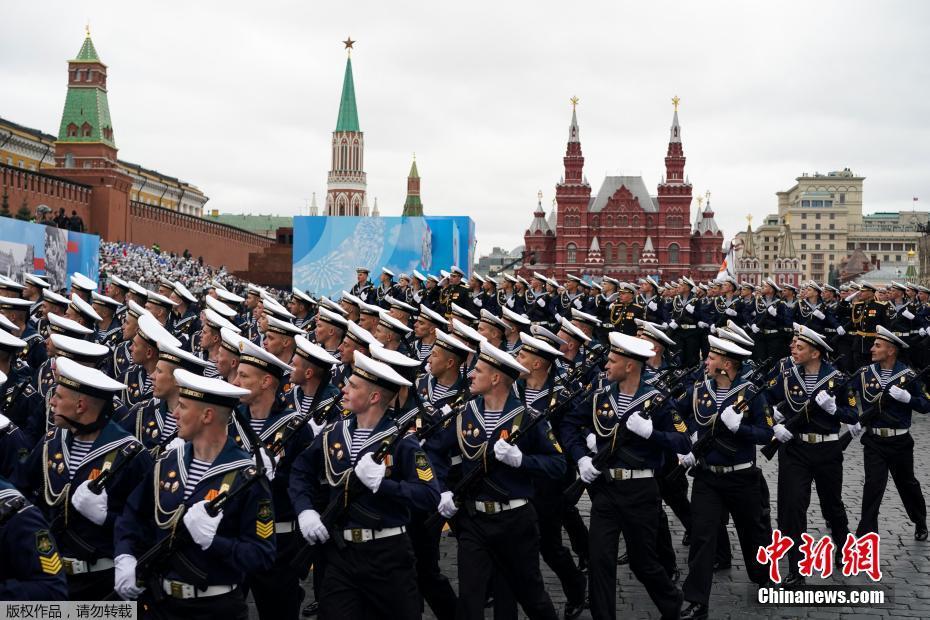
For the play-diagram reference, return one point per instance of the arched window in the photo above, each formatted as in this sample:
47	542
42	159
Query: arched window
610	221
343	155
635	221
595	221
649	221
571	251
673	251
86	129
635	248
673	221
621	253
608	252
623	221
708	257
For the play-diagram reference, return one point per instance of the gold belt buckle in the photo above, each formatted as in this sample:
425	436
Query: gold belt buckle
885	432
177	589
811	438
68	565
357	535
490	507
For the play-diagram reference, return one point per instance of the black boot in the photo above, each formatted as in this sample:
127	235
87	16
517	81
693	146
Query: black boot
920	532
623	558
695	611
310	610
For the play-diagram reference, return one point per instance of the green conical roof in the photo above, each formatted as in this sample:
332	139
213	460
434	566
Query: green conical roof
348	113
86	117
88	53
413	170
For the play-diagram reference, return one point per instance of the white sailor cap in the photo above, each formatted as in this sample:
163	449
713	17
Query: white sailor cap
360	335
386	320
369	309
86	380
38	281
898	286
544	334
10	284
252	289
467	332
553	282
574	278
183	292
153	332
135	309
727	348
455	269
430	315
15	303
179	357
58	324
771	282
222	293
84	308
403	276
452	344
631	347
159	300
9	342
462	313
493	321
118	281
736	329
540	277
285	328
419	276
79	280
444	274
502	361
538	347
302	297
207	389
165	283
405	366
572	331
805	333
328	304
8	325
314	353
253	355
272	307
215	320
230	340
138	289
728	334
432	277
884	334
654	332
396	303
510	278
103	300
813	284
362	270
513	317
327	316
219	307
377	372
52	297
479	277
347	297
611	280
491	280
584	317
522	280
688	281
387	271
790	286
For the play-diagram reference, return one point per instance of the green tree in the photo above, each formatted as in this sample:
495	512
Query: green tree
5	204
24	214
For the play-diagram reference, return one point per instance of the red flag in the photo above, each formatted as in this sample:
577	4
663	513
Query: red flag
38	264
72	247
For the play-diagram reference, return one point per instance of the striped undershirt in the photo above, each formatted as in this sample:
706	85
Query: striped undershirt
809	382
304	402
491	418
359	436
79	449
885	375
721	394
623	402
532	396
147	385
196	471
441	391
423	350
210	372
171	425
257	425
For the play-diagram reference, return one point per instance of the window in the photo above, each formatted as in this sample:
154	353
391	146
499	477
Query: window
803	246
897	247
673	221
803	235
818	216
635	220
832	237
594	221
842	201
803	226
571	253
608	252
673	251
817	236
635	249
886	247
832	246
610	221
621	253
623	221
817	226
832	226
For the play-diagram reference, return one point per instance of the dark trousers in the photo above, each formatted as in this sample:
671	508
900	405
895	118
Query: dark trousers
90	586
881	456
277	591
550	507
770	346
712	495
631	508
231	605
509	542
862	351
690	340
800	464
433	585
374	579
577	532
675	492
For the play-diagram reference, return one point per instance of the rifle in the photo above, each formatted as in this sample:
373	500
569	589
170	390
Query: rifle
704	444
10	508
476	475
150	563
872	413
298	422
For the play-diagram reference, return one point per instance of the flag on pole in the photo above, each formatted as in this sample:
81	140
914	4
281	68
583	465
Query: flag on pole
729	263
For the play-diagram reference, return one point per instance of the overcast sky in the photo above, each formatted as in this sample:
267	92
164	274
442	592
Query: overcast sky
241	98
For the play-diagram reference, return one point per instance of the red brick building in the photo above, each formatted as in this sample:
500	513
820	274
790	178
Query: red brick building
623	231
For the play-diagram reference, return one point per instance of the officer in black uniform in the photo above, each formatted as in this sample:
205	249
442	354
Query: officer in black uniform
625	311
363	288
185	320
769	324
725	477
683	319
111	327
496	526
655	308
887	443
138	380
370	569
211	554
19	400
17	311
866	314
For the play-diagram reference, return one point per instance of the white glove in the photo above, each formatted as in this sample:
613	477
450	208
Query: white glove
902	396
849	298
477	302
447	507
174	444
577	303
782	434
507	453
687	460
125	577
820	315
370	473
201	525
777	415
694	437
855	429
772	311
311	527
908	315
586	470
510	303
730	312
316	428
591	442
713	329
731	418
703	325
840	331
639	425
652	305
541	302
89	504
673	324
268	463
755	329
690	308
922	331
826	402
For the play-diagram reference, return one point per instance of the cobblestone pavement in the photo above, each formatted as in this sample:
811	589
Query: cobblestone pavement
905	562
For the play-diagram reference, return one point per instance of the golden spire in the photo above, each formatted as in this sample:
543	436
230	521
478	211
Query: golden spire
539	196
574	101
700	201
675	101
349	43
749	219
87	28
787	219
